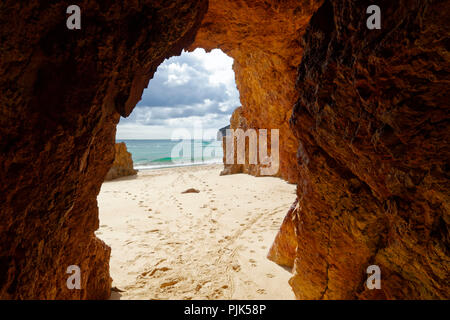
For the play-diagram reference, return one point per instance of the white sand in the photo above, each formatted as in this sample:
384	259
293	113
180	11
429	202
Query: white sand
207	245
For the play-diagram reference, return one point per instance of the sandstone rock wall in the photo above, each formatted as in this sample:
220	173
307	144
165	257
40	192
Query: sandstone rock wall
372	122
367	143
123	163
284	247
61	95
263	38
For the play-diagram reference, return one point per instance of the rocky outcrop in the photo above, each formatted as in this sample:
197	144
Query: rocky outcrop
263	37
237	121
122	165
372	123
62	93
222	132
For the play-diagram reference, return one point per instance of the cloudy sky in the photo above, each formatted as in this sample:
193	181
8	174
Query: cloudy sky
195	89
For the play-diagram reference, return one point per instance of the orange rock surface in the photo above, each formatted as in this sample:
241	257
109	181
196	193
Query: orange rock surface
263	38
372	122
62	92
285	244
123	163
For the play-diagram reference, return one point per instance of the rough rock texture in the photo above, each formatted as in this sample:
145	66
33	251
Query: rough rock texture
61	95
123	163
263	37
369	148
237	120
285	244
373	127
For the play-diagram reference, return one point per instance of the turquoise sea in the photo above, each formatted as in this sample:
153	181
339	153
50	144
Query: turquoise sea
152	154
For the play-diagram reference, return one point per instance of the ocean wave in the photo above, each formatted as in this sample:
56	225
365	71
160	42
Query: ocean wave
166	159
172	165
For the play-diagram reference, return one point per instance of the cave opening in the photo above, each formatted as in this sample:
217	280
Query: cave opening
180	229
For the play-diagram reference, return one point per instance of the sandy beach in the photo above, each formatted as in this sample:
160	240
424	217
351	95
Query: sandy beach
167	244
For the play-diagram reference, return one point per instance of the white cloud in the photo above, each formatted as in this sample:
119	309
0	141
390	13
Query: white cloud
177	74
196	87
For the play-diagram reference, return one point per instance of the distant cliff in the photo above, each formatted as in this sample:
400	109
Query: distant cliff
122	165
222	132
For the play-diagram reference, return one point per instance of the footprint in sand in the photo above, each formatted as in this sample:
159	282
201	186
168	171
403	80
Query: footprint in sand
236	267
261	291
